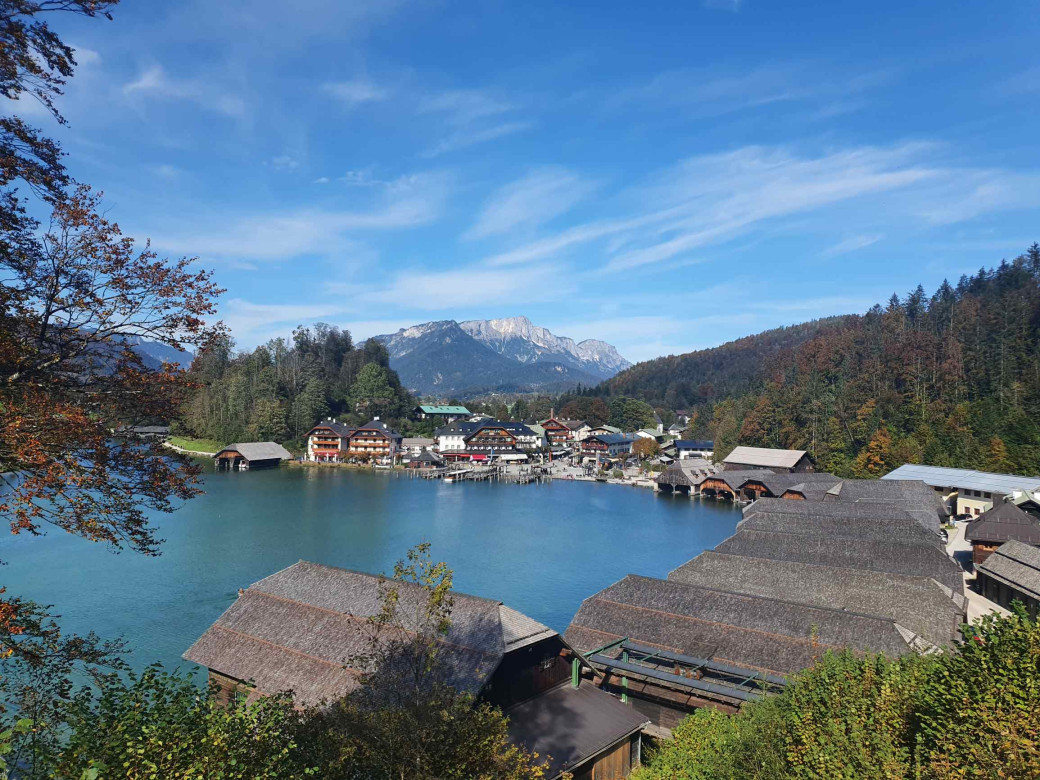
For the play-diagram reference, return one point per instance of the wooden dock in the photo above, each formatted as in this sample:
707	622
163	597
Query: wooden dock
495	473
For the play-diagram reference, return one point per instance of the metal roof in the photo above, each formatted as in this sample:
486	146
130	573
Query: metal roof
764	456
941	476
443	409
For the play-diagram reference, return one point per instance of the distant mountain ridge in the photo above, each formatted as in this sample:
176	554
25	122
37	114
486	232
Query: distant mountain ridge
504	355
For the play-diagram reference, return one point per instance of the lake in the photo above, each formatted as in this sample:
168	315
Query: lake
541	548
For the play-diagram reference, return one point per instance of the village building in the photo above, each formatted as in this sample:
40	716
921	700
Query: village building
609	445
298	630
374	440
596	430
1003	523
424	460
968	492
440	413
779	461
414	445
676	429
487	440
1012	573
562	431
694	448
327	442
656	434
251	455
752	484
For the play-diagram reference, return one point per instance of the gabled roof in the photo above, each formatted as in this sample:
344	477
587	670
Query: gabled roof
915	560
880	522
341	430
417	441
919	603
435	409
574	424
762	634
940	476
913	495
1002	523
765	457
298	628
606	428
378	425
258	450
614	438
1015	564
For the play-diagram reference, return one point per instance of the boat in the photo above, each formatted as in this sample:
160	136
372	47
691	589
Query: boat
449	479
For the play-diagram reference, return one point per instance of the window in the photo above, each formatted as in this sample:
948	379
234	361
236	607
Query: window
987	495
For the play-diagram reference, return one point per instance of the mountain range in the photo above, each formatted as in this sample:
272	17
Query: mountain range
449	358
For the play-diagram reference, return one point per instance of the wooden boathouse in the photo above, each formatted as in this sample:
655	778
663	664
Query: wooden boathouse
298	630
251	455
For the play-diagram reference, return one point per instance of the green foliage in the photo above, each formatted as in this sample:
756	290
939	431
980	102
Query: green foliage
404	721
280	390
951	380
630	414
973	712
159	725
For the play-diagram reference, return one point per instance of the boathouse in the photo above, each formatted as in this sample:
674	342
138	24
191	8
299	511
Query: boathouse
1012	573
297	630
779	461
251	455
684	476
1003	523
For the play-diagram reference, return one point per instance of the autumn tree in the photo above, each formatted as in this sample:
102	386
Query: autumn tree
594	411
644	448
876	458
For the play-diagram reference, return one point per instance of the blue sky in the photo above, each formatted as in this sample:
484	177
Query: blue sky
664	176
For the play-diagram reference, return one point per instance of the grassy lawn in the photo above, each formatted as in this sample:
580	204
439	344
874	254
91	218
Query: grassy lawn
196	445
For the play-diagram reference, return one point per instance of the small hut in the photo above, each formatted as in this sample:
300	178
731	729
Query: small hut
1003	523
251	455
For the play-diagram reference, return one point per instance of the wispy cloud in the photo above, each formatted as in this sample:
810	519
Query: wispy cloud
355	92
154	83
470	117
285	162
530	201
723	5
253	323
850	244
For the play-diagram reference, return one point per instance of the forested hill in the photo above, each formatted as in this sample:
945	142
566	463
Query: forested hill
282	388
948	379
695	378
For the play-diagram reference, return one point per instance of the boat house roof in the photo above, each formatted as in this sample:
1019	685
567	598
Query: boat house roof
765	457
258	450
880	522
1016	564
1004	522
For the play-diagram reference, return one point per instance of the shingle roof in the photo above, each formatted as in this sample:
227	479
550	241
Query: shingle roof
435	409
765	457
1002	523
417	441
296	629
913	495
916	560
259	450
379	425
570	725
757	633
919	603
339	428
1015	564
880	522
940	476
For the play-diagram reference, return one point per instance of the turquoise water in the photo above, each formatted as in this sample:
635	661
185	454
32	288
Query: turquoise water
540	548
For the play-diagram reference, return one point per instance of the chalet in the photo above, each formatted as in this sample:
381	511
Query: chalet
610	445
968	492
598	429
327	442
561	431
694	448
440	414
374	440
481	440
779	461
297	630
251	455
1003	523
1012	573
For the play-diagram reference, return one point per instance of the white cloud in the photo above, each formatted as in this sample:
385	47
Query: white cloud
470	117
84	57
284	235
530	201
154	83
254	323
850	244
355	92
285	162
463	287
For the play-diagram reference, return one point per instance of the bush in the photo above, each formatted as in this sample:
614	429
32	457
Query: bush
973	712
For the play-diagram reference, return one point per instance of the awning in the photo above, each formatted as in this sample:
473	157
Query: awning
514	457
478	457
